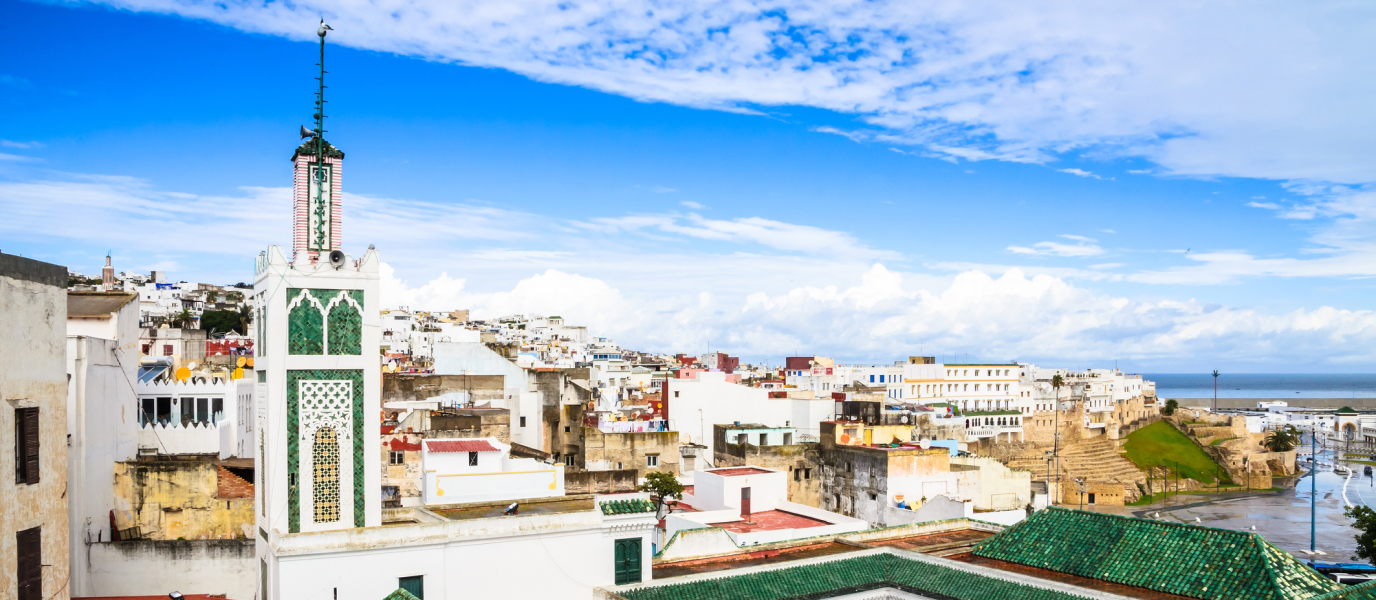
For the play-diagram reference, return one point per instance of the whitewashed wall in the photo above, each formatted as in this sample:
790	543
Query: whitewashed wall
148	568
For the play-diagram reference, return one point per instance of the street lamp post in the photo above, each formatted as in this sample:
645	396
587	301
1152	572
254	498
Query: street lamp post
1313	487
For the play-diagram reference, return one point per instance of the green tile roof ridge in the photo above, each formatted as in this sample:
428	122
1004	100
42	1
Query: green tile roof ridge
989	413
1363	591
400	594
1186	560
878	568
625	507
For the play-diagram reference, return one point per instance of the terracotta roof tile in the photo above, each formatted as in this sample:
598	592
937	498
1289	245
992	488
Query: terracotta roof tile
460	446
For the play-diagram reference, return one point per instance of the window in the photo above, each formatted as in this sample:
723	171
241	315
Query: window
30	573
675	394
788	439
472	459
871	379
652	460
262	377
203	410
26	447
414	584
566	429
797	474
807	473
325	476
847	467
167	350
568	460
523	421
764	439
396	457
627	565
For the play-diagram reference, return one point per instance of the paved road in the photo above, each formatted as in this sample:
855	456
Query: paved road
1281	517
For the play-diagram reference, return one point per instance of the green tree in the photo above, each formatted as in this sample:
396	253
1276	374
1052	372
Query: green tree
235	297
1282	440
223	321
1363	520
183	319
212	296
661	487
1171	405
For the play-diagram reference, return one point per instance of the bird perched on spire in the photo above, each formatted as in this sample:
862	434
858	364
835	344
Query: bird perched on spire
323	28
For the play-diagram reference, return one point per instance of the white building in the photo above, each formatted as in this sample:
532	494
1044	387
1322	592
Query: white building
482	470
695	405
746	506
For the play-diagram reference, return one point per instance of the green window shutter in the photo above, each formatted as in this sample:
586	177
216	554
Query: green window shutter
627	561
414	585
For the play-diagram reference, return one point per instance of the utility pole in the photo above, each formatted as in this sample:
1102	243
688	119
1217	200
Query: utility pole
1313	487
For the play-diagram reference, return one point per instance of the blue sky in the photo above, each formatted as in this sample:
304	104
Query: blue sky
860	181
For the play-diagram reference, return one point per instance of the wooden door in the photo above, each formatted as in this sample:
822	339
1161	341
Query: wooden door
627	561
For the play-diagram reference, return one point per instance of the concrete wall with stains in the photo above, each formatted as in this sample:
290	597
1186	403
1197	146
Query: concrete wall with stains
154	568
175	499
606	451
802	462
33	300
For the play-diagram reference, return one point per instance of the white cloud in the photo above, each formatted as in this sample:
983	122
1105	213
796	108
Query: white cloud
659	189
1216	89
1108	231
1267	205
1078	238
1012	316
755	230
1081	249
1079	173
20	145
17	158
692	205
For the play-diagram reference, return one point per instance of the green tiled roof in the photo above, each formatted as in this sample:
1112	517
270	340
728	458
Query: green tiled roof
990	413
1365	591
849	576
1187	560
625	507
400	594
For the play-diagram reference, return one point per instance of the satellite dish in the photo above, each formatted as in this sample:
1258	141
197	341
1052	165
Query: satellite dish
337	258
238	373
904	419
191	365
241	361
925	444
183	373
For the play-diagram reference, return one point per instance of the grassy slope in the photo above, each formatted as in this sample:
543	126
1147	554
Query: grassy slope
1160	445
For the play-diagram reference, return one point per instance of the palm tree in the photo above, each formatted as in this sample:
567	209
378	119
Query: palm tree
1056	382
1281	440
183	319
1215	391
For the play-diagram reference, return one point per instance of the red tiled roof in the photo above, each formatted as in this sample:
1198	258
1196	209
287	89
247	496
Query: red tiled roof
460	446
737	471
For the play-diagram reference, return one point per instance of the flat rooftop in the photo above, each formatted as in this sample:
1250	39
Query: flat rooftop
738	471
936	544
749	559
539	506
771	520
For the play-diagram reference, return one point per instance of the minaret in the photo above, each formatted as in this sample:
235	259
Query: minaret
107	275
318	375
316	227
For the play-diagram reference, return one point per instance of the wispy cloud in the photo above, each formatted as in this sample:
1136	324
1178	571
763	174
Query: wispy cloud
1084	247
692	205
1266	205
20	145
1079	173
1175	82
659	189
17	158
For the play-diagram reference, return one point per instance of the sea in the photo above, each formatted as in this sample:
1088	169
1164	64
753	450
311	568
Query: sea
1268	385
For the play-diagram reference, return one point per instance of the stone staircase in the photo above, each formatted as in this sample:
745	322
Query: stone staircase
1094	460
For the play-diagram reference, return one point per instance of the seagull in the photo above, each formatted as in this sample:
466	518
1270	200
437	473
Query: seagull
323	28
1254	528
1157	515
1196	519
